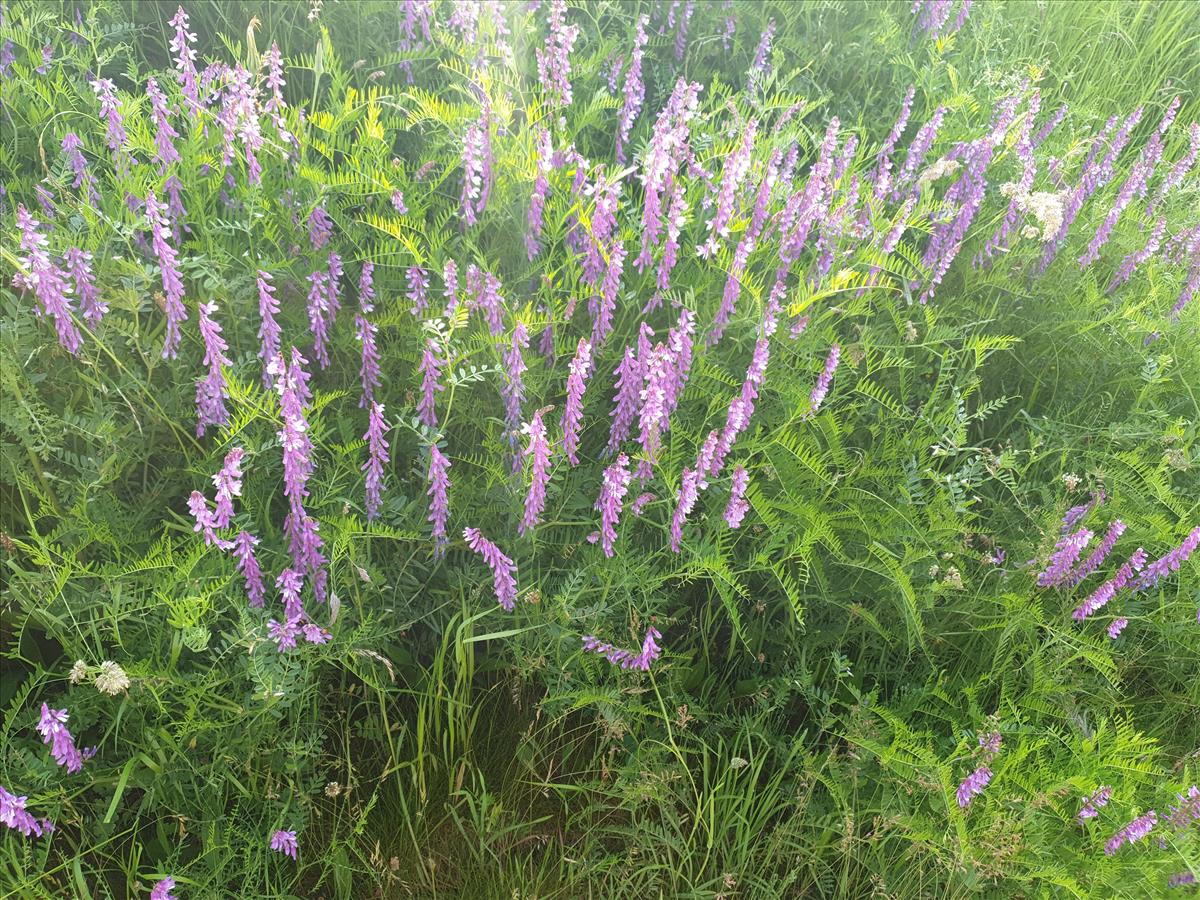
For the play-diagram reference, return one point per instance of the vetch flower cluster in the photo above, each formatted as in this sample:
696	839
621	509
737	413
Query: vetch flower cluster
628	659
52	726
377	459
537	455
503	570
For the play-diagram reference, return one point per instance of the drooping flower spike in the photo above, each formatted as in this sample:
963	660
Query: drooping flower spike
503	570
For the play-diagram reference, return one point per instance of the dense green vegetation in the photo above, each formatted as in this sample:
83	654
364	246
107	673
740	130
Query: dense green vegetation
873	685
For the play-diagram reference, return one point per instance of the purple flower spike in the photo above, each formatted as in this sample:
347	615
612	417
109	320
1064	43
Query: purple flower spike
1170	562
634	91
211	390
268	329
1109	589
554	63
377	458
738	507
626	401
477	166
172	280
579	368
1092	563
612	495
52	726
973	785
247	565
185	59
14	815
162	889
503	569
1131	833
821	388
1066	551
47	281
165	135
1116	627
285	842
367	331
1094	802
627	659
537	453
431	371
438	492
513	389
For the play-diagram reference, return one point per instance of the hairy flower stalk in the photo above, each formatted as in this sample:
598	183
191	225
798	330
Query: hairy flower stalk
737	508
439	502
1066	551
628	659
1132	833
47	281
366	331
554	61
513	388
172	280
248	568
572	418
431	371
537	456
52	726
503	570
477	166
165	135
185	59
377	458
1092	563
634	92
612	495
211	390
1103	594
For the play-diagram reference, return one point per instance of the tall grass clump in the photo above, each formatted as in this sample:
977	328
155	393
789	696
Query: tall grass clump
607	449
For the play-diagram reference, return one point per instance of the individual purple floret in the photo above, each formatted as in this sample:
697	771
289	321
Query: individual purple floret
285	842
503	569
52	726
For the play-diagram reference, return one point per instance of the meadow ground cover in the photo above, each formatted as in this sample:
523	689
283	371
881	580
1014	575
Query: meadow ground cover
599	449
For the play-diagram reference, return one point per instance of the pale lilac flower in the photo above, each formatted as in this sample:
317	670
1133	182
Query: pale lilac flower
541	184
239	118
579	368
185	58
1185	810
247	565
554	62
682	29
609	287
1109	589
450	280
418	289
1176	175
760	68
7	58
439	503
1076	514
627	659
211	390
320	227
1066	551
366	331
537	454
513	388
14	815
737	508
668	149
47	56
268	329
503	569
377	458
1181	879
416	13
320	316
398	203
1131	262
634	91
1170	562
691	482
275	105
737	167
1092	563
612	495
162	889
477	166
1131	833
1094	802
71	145
110	109
883	171
1116	627
824	380
47	281
52	726
973	785
484	288
285	842
639	503
625	403
917	151
172	280
431	371
79	264
165	135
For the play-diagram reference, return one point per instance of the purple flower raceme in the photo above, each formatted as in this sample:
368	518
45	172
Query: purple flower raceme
477	166
484	288
439	503
1076	514
821	389
612	495
211	390
71	145
541	184
247	565
1116	627
883	170
52	726
268	328
737	508
554	61
320	316
172	280
1175	176
503	569
320	227
239	120
973	785
431	370
628	659
185	59
668	149
1181	879
513	388
1092	803
164	141
1185	811
285	842
737	167
760	67
366	331
162	889
110	108
917	151
46	280
1066	551
14	815
377	459
1103	594
1092	563
629	389
537	454
1169	562
579	368
1131	833
418	289
634	92
275	105
450	280
1131	262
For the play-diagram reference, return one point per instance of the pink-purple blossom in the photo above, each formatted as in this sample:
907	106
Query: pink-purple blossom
513	388
1092	563
165	135
211	390
503	570
578	370
821	389
162	889
1132	833
1066	551
172	280
52	726
431	371
1103	594
628	659
612	494
185	59
47	281
477	164
634	91
973	785
15	816
554	60
247	566
1170	561
438	493
537	457
737	507
285	842
377	459
1093	802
